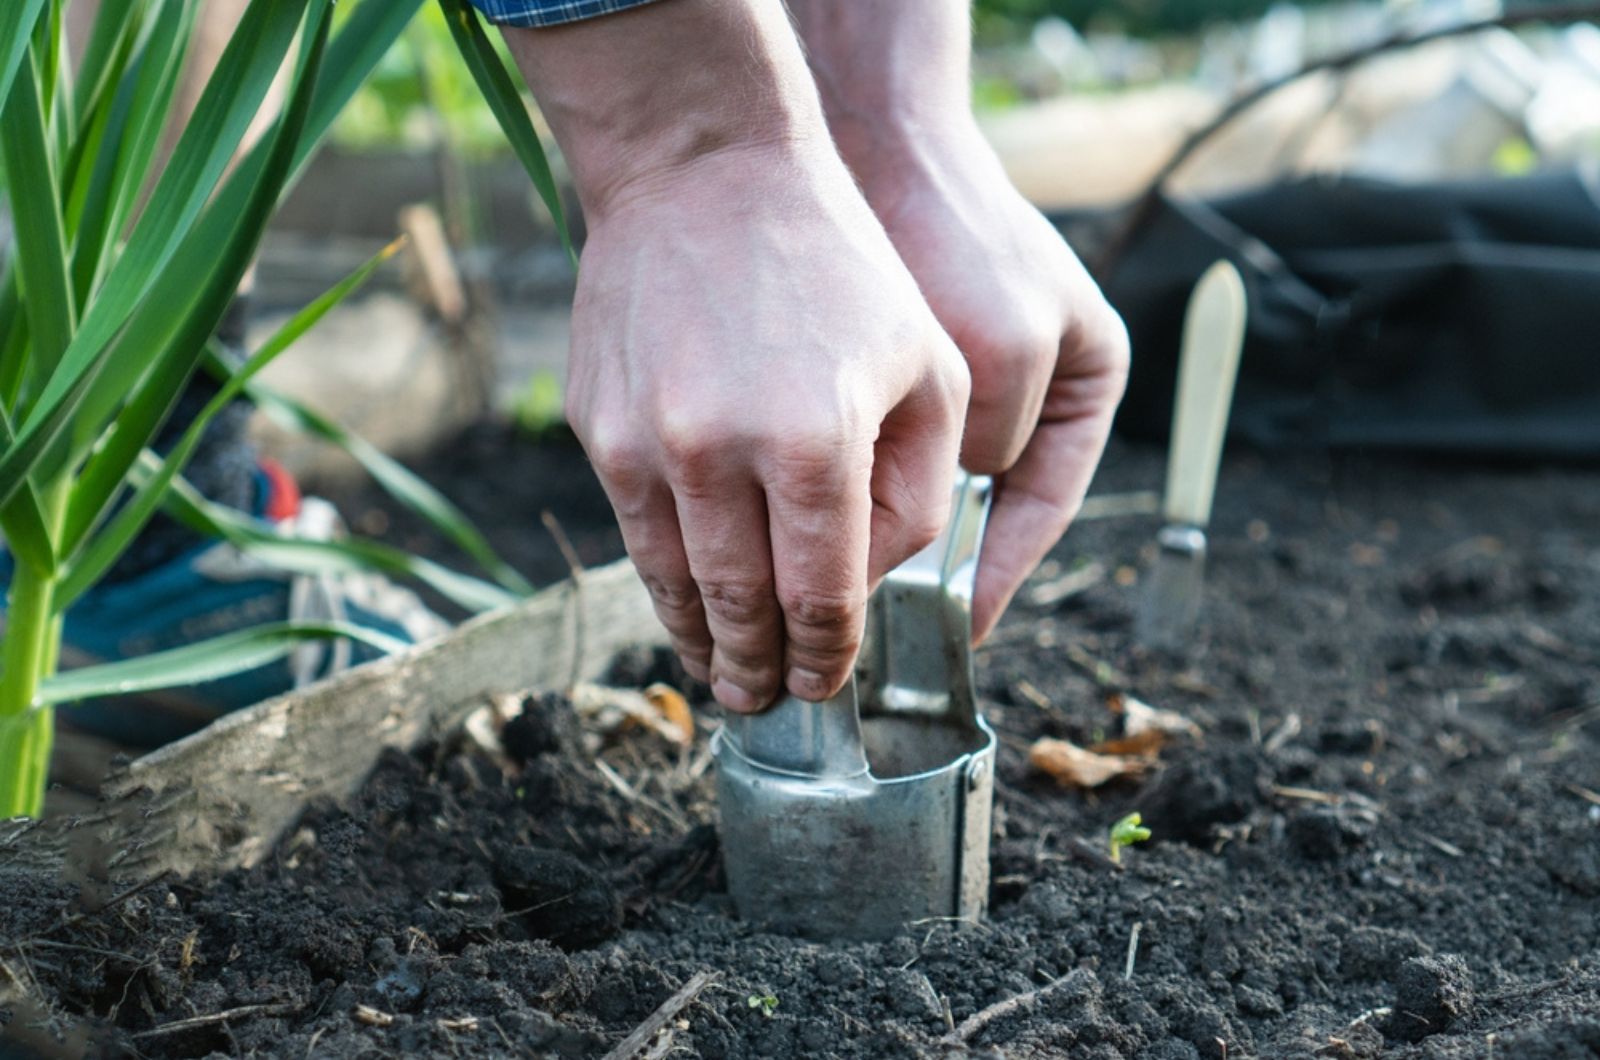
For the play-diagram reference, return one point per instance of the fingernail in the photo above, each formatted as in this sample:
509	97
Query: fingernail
807	684
733	697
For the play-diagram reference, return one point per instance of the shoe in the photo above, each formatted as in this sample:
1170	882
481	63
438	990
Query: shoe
216	589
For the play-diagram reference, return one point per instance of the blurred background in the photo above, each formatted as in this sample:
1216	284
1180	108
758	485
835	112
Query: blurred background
462	343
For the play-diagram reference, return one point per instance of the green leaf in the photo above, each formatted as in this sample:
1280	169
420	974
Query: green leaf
503	98
186	505
396	480
99	556
1127	832
27	532
17	19
41	242
226	108
208	660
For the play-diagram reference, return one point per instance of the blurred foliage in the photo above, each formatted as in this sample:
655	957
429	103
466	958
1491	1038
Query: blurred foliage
1140	17
421	96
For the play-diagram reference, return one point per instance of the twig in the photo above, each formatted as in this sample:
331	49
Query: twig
635	1043
1145	208
1133	950
218	1017
1443	847
1585	794
575	567
975	1023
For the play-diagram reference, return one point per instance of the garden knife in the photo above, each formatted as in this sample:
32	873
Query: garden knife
1213	338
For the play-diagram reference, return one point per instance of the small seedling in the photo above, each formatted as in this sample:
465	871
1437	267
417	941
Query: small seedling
1126	832
767	1003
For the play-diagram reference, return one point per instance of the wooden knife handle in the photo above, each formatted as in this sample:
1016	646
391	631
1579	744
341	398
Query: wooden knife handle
1213	339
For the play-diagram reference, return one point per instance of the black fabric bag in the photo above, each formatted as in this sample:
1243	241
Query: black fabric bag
1453	318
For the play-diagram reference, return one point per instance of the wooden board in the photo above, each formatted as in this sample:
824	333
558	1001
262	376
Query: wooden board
222	797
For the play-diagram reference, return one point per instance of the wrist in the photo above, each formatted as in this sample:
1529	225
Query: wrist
646	97
895	81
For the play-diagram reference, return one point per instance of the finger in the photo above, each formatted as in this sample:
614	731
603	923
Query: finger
913	469
725	537
820	506
648	519
1010	376
1037	499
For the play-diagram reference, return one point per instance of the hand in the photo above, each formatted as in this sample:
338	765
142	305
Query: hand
1048	355
772	408
769	402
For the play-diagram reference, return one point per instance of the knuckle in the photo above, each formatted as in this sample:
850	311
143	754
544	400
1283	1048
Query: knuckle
829	619
672	596
741	604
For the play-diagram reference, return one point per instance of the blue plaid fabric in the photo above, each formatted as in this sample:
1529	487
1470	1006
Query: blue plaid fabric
549	12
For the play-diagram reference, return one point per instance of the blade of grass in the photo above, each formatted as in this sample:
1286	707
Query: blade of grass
208	660
506	102
98	556
398	481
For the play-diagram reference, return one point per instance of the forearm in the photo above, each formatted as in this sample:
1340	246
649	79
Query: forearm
637	97
894	77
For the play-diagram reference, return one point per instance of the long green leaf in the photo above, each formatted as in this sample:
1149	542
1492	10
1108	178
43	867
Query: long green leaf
396	480
136	120
208	660
97	68
41	242
183	503
503	98
17	19
27	533
226	108
100	554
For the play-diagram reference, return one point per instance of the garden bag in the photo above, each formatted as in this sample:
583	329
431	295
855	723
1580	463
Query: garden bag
1456	318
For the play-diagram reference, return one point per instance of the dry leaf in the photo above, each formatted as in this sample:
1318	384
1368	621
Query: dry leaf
1139	718
1073	766
1145	744
608	711
674	709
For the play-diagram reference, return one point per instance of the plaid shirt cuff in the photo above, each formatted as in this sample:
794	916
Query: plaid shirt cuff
534	13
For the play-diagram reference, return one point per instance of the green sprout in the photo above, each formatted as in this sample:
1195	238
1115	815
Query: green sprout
1125	833
767	1003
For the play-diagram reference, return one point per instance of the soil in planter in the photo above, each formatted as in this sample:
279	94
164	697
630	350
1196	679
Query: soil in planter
1387	843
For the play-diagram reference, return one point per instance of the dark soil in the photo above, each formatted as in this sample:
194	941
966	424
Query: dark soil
1386	845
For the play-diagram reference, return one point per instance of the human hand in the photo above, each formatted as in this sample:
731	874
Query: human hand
771	407
770	404
1047	354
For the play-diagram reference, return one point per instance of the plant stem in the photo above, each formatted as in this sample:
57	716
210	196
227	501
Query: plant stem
27	656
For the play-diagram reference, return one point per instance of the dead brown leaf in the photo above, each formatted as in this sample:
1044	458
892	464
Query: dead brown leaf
1139	718
1145	744
608	712
674	709
1072	766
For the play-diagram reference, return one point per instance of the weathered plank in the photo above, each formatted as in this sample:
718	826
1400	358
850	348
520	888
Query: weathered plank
222	797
